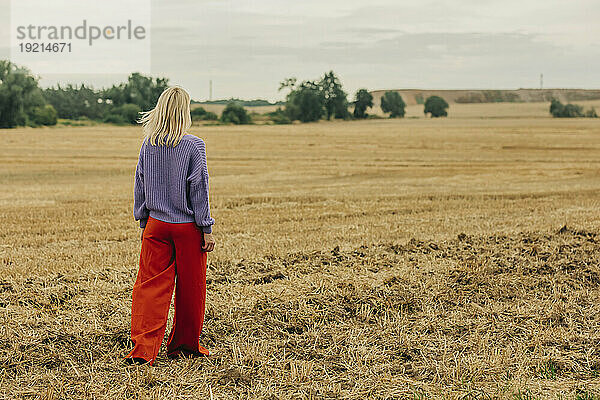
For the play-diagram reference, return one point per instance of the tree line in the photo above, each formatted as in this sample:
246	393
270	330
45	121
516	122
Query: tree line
24	103
119	104
325	98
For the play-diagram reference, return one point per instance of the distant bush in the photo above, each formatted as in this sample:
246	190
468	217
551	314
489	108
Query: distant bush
419	99
572	111
559	110
129	112
556	108
591	113
114	119
83	121
200	114
436	106
211	116
45	115
235	114
279	117
362	100
392	103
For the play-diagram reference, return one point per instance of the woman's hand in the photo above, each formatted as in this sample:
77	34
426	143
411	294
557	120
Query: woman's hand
209	242
142	235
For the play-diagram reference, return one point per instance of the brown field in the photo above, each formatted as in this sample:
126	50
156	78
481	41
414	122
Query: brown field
411	96
492	110
381	259
471	111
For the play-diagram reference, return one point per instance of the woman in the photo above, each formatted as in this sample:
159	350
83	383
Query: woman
171	203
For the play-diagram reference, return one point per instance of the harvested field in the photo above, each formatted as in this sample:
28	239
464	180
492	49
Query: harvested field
417	258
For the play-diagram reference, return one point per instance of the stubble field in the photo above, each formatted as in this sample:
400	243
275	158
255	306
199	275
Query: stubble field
416	258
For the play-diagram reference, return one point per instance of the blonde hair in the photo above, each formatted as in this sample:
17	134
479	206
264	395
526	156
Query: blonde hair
166	124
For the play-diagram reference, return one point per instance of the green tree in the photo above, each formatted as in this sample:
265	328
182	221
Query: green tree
391	102
556	108
210	116
74	102
235	114
141	90
559	110
436	106
305	102
572	111
289	83
45	115
114	119
279	117
363	100
129	112
20	95
200	114
336	100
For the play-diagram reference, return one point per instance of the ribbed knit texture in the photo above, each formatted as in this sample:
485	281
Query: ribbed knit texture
171	184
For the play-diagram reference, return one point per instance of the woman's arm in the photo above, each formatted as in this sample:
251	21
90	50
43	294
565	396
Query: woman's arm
140	211
198	181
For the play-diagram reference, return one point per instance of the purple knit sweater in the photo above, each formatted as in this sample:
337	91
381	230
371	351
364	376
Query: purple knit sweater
171	184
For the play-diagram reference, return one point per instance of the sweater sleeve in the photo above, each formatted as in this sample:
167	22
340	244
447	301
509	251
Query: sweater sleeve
198	187
140	211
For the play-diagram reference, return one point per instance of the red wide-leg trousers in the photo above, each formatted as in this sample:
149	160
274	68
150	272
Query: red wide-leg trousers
169	251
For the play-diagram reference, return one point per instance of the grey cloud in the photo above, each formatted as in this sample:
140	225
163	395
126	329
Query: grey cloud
369	32
421	60
405	47
247	48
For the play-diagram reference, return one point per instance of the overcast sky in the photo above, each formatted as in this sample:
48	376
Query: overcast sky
247	47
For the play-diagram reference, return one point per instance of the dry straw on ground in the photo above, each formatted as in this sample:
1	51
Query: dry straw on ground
384	259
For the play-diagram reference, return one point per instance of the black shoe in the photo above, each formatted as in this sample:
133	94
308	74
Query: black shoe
186	353
135	361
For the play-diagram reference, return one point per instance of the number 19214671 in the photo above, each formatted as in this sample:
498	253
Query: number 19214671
45	47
